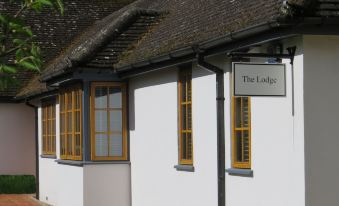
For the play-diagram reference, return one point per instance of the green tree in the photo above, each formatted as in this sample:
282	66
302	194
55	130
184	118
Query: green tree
17	47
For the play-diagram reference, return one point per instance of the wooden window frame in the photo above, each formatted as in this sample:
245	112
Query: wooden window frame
48	121
65	92
235	163
183	73
121	85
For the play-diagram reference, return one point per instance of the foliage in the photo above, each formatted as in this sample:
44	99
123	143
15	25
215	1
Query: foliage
17	184
17	47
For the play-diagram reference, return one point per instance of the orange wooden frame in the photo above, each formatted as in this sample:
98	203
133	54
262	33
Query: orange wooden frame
48	128
235	129
69	108
121	86
185	78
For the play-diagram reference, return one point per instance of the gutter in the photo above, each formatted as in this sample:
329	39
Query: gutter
187	54
37	184
220	98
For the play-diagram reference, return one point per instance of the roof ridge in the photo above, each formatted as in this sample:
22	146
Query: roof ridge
104	29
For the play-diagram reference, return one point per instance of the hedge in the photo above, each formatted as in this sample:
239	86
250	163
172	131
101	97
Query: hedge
17	184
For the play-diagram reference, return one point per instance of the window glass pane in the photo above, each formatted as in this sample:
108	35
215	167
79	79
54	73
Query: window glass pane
116	121
43	113
77	121
189	116
62	145
246	146
183	89
183	117
115	97
101	148
238	112
53	143
183	146
100	97
69	144
189	95
245	111
100	121
69	122
62	123
238	146
53	111
77	145
48	127
115	141
50	112
69	101
77	99
189	146
62	102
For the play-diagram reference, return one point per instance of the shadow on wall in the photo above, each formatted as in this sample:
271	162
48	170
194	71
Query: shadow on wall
156	78
165	76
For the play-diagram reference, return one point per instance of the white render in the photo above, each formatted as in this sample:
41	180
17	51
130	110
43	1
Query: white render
107	184
65	185
17	139
277	141
154	141
293	155
321	119
277	146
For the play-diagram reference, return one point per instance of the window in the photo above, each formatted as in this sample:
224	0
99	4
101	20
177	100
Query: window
185	117
48	128
70	123
241	142
108	121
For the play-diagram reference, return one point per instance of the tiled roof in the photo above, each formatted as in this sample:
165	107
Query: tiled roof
55	32
186	23
112	52
192	21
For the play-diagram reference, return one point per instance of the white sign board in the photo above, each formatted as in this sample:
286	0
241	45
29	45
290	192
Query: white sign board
250	79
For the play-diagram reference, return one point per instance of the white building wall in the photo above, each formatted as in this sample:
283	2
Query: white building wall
60	185
154	141
107	184
17	139
277	145
321	119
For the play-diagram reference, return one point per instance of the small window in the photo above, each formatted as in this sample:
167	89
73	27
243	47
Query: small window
185	117
70	123
48	128
241	141
108	121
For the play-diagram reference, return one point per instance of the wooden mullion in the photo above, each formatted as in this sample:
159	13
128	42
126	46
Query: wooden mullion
108	123
73	125
66	125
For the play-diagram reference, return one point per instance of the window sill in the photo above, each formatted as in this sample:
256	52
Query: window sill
70	162
82	163
48	156
240	172
105	162
187	168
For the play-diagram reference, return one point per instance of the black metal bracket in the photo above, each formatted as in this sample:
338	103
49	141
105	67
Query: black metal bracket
291	52
290	55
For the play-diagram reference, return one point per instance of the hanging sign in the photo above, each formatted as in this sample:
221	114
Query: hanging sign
250	79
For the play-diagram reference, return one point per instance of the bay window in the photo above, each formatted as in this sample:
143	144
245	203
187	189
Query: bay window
108	121
70	100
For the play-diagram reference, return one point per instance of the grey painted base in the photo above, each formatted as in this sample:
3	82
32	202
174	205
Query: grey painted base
187	168
240	172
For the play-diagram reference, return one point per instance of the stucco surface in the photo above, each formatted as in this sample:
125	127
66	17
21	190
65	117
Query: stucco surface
17	139
321	119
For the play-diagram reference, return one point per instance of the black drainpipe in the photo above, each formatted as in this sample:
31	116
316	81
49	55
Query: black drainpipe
36	148
220	126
